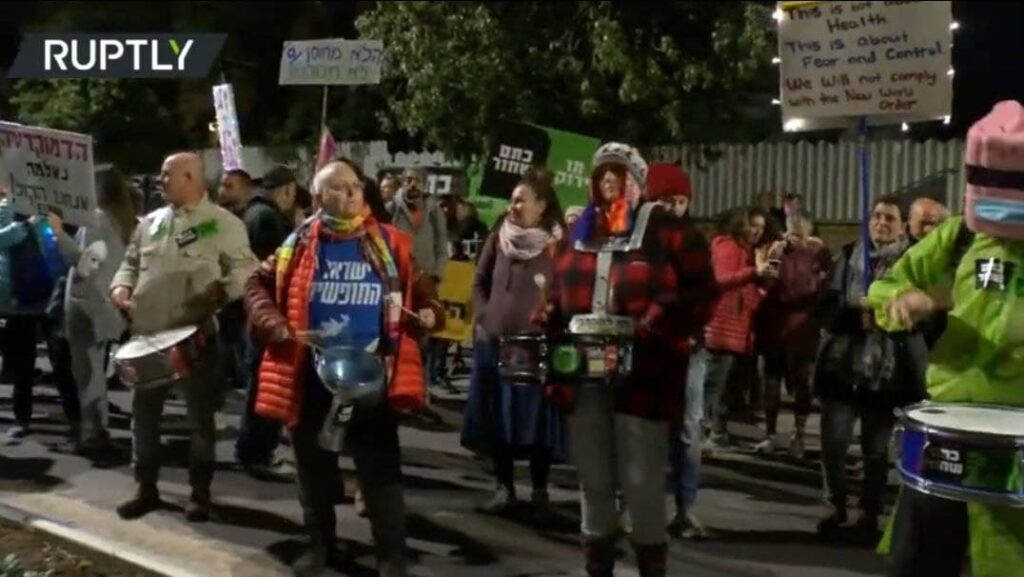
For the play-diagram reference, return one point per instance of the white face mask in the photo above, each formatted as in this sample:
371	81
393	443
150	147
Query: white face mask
92	257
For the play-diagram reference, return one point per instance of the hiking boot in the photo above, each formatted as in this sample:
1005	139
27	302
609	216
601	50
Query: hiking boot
767	446
145	501
198	508
599	556
652	560
502	501
540	499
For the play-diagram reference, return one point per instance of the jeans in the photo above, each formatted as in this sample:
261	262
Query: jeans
837	421
372	438
232	344
719	365
258	437
930	536
616	452
688	441
200	393
435	359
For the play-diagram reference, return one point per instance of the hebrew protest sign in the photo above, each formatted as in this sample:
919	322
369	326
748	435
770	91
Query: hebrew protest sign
227	127
886	61
520	146
48	170
456	294
331	61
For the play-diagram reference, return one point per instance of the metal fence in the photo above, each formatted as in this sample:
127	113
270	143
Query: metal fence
826	174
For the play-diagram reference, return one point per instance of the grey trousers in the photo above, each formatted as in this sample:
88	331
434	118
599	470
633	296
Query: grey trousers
616	452
89	367
200	391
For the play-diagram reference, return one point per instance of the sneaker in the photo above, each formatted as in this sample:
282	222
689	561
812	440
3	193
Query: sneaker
716	442
832	524
502	501
796	448
867	525
359	504
276	472
767	446
15	435
626	522
687	527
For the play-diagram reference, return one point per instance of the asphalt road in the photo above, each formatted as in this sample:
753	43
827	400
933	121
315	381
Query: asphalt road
762	511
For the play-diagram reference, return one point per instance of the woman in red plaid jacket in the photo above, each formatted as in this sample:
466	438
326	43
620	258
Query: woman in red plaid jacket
619	432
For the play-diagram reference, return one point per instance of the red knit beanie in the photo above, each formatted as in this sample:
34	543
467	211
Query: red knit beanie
667	180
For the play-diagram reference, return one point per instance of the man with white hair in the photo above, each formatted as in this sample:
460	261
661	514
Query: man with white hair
184	262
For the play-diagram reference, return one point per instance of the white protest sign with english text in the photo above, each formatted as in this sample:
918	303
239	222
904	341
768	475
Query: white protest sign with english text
887	61
331	61
48	170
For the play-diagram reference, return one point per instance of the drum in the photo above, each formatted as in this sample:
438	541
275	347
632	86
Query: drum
598	347
523	358
971	453
161	359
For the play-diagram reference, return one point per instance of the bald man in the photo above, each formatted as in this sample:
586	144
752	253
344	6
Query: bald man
925	216
184	262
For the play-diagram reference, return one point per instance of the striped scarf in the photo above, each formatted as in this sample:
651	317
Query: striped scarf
373	246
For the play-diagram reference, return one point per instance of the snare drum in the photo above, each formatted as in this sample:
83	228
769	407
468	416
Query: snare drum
964	452
523	358
161	359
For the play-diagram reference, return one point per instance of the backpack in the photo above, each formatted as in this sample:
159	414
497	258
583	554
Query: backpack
800	276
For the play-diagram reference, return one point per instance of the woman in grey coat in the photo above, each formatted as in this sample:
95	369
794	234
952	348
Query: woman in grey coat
91	320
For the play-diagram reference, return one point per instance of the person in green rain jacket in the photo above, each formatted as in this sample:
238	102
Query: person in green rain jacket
973	267
980	359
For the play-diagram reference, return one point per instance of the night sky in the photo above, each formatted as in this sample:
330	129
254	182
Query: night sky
988	56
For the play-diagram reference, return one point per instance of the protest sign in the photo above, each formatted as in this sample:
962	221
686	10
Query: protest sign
517	148
888	62
331	61
227	127
49	170
456	294
520	146
441	180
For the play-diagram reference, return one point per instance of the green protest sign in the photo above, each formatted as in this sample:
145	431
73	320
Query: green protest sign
520	146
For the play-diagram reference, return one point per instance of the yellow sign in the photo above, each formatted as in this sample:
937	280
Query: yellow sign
456	294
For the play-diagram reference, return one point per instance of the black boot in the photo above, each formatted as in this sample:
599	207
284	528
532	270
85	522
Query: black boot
145	501
200	477
321	553
652	560
197	510
600	557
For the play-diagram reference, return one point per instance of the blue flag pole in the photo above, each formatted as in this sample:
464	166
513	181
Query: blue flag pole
865	199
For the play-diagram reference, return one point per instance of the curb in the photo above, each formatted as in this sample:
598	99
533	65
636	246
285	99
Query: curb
90	542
